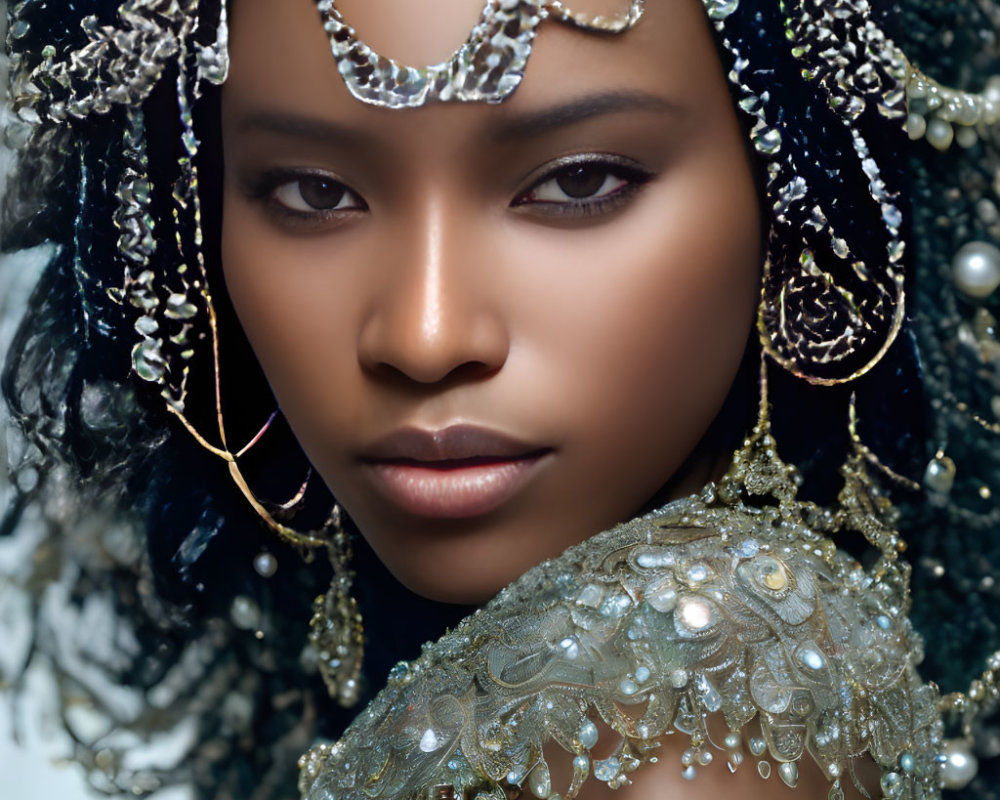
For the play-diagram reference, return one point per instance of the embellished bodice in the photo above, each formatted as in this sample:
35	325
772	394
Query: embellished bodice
702	608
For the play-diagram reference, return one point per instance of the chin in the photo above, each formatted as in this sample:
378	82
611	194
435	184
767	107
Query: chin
461	567
457	581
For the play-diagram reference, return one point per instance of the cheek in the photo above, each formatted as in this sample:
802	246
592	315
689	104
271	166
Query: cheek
297	313
647	328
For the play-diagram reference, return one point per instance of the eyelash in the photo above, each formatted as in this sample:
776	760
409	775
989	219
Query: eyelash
632	176
264	190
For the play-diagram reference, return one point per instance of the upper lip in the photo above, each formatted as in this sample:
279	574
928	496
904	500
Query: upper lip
454	443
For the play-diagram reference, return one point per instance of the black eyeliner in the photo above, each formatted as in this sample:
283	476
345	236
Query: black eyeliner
624	168
262	187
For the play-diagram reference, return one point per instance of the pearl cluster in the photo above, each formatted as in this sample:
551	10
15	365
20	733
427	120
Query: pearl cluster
975	273
942	115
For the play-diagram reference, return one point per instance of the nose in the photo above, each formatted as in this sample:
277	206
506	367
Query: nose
434	317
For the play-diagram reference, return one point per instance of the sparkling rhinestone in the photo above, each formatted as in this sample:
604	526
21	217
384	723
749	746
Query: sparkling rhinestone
430	741
658	558
812	658
694	614
892	785
708	694
747	549
570	647
662	598
607	769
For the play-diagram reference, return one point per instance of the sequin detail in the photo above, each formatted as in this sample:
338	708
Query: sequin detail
793	634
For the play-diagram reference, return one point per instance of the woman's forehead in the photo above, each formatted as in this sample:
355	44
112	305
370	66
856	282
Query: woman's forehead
281	54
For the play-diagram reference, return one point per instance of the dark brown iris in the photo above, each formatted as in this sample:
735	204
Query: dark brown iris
582	181
321	193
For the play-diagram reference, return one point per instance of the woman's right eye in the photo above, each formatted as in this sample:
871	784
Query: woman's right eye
316	194
296	197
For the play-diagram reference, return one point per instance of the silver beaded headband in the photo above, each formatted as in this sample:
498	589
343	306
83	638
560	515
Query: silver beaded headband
487	68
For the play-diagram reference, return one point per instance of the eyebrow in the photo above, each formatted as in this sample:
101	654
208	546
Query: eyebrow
522	125
302	127
528	124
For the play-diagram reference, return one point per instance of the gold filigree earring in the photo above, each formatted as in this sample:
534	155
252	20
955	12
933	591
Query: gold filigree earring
174	309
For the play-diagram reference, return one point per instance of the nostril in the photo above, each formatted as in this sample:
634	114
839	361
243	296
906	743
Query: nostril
464	345
466	372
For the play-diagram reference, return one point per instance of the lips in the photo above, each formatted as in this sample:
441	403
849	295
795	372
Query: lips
457	472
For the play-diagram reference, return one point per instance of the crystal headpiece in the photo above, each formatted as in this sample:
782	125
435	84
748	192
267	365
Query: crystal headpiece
487	68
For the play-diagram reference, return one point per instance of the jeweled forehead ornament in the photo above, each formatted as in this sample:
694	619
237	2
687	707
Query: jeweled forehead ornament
487	68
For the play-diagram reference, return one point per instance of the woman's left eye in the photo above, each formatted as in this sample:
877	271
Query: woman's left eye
584	187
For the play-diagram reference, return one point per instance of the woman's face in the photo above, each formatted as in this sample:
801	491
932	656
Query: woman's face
495	329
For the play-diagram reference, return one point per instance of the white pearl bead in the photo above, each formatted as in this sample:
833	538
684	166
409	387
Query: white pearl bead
588	734
917	88
940	133
966	137
976	269
968	110
940	475
245	613
960	765
916	126
266	565
992	91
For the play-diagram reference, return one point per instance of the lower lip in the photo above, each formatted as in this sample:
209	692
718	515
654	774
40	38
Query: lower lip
454	493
